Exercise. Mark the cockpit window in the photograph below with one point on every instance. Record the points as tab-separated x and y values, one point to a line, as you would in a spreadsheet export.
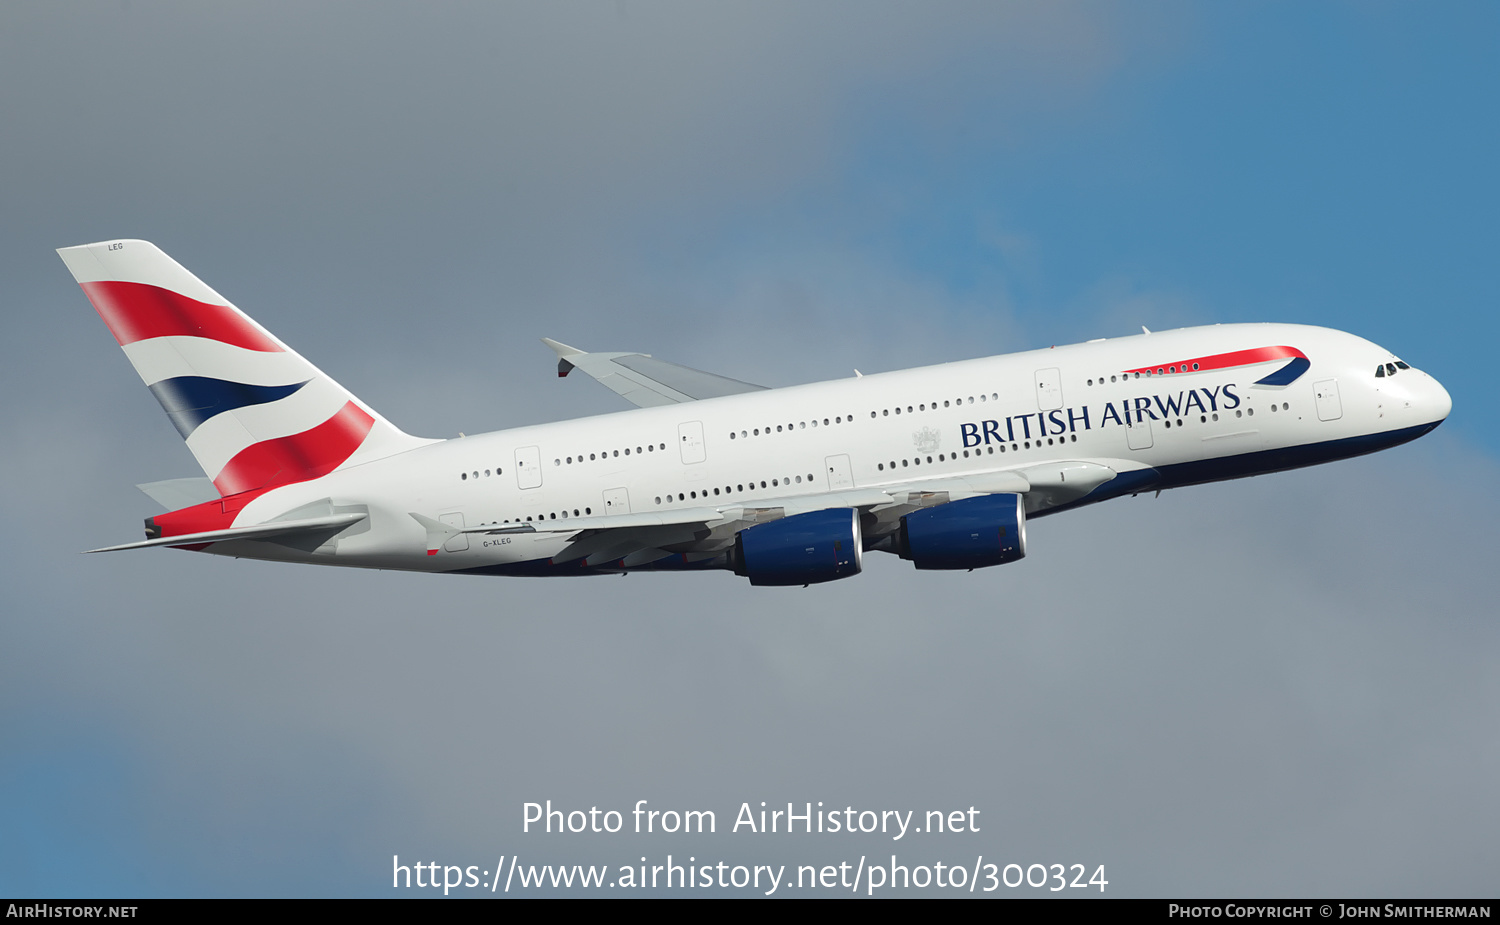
1380	372
1401	365
1390	369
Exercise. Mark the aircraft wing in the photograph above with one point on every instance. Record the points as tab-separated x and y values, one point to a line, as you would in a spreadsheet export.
643	537
602	522
645	381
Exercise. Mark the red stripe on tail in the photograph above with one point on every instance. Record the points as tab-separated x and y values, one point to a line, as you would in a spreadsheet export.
138	311
309	455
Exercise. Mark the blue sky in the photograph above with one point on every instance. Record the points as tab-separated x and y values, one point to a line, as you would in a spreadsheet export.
1319	163
780	193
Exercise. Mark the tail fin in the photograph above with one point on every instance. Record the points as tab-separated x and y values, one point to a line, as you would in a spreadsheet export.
254	413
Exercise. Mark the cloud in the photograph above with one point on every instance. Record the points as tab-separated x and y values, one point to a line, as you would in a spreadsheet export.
1268	686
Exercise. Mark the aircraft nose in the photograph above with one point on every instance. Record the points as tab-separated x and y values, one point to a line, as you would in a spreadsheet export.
1437	400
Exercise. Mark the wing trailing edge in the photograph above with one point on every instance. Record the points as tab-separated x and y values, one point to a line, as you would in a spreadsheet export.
645	381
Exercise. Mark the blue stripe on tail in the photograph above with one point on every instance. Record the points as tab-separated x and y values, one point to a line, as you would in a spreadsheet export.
191	400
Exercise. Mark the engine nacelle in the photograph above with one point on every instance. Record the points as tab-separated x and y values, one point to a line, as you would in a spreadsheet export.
973	533
803	549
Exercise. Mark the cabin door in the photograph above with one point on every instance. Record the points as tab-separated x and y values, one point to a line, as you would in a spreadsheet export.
1326	396
839	474
1049	389
690	441
458	542
528	467
616	501
1138	434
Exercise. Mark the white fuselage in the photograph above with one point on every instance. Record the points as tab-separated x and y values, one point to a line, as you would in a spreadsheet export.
789	447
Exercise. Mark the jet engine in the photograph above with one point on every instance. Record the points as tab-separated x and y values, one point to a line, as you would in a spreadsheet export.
802	549
968	534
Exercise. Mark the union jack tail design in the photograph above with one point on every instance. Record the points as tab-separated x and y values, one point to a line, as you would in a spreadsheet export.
254	413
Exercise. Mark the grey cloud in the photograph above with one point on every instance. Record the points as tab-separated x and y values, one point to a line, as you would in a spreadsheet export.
1277	686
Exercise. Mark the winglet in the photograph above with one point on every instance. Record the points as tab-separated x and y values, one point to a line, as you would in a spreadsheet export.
563	351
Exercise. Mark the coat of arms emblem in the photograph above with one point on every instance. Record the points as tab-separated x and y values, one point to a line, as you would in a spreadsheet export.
927	440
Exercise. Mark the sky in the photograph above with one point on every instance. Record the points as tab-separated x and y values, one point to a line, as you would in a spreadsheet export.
1281	686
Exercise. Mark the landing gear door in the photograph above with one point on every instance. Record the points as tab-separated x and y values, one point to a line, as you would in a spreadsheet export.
839	474
1049	395
528	467
1326	396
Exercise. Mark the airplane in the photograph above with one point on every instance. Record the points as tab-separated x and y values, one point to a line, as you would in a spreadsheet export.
942	466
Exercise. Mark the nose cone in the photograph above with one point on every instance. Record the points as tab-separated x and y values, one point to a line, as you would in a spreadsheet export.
1436	401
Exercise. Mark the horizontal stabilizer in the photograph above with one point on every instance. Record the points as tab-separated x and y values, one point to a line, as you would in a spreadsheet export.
645	381
257	532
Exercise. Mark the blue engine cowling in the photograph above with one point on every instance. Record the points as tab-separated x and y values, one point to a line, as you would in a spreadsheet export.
973	533
803	549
